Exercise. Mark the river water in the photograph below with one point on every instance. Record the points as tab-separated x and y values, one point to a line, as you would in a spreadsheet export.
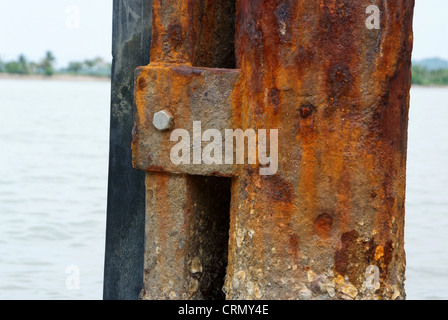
53	187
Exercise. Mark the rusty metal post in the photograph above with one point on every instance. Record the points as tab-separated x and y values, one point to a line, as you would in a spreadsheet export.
333	77
339	93
187	216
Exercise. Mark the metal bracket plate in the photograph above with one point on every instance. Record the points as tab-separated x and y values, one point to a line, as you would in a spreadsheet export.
190	94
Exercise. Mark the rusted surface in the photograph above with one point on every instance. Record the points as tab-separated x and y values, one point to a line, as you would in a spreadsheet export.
341	97
194	32
187	217
191	94
332	218
186	237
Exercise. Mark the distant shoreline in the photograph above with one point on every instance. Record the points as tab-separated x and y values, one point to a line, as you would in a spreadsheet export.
55	77
430	85
68	77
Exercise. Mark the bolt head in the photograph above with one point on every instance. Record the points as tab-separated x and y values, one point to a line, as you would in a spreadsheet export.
162	120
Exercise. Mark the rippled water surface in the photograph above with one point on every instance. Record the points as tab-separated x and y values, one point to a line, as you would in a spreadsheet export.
53	182
53	186
427	195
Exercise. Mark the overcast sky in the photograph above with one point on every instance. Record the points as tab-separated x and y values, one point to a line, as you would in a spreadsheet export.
32	27
81	29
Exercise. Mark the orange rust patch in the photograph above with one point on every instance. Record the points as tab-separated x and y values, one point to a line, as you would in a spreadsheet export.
379	253
141	83
323	225
306	111
349	256
278	188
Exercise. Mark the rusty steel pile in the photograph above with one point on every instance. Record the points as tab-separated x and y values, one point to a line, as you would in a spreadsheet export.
328	223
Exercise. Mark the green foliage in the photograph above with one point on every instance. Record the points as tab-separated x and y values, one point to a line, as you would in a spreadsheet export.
93	67
12	67
75	67
16	67
47	64
98	67
423	76
23	65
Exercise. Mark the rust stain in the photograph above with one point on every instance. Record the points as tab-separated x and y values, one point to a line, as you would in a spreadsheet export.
306	111
278	188
379	253
350	254
323	225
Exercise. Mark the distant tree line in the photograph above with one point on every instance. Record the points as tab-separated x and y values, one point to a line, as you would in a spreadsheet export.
99	67
46	66
93	67
424	76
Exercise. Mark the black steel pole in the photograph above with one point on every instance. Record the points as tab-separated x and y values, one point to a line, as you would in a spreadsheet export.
123	270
